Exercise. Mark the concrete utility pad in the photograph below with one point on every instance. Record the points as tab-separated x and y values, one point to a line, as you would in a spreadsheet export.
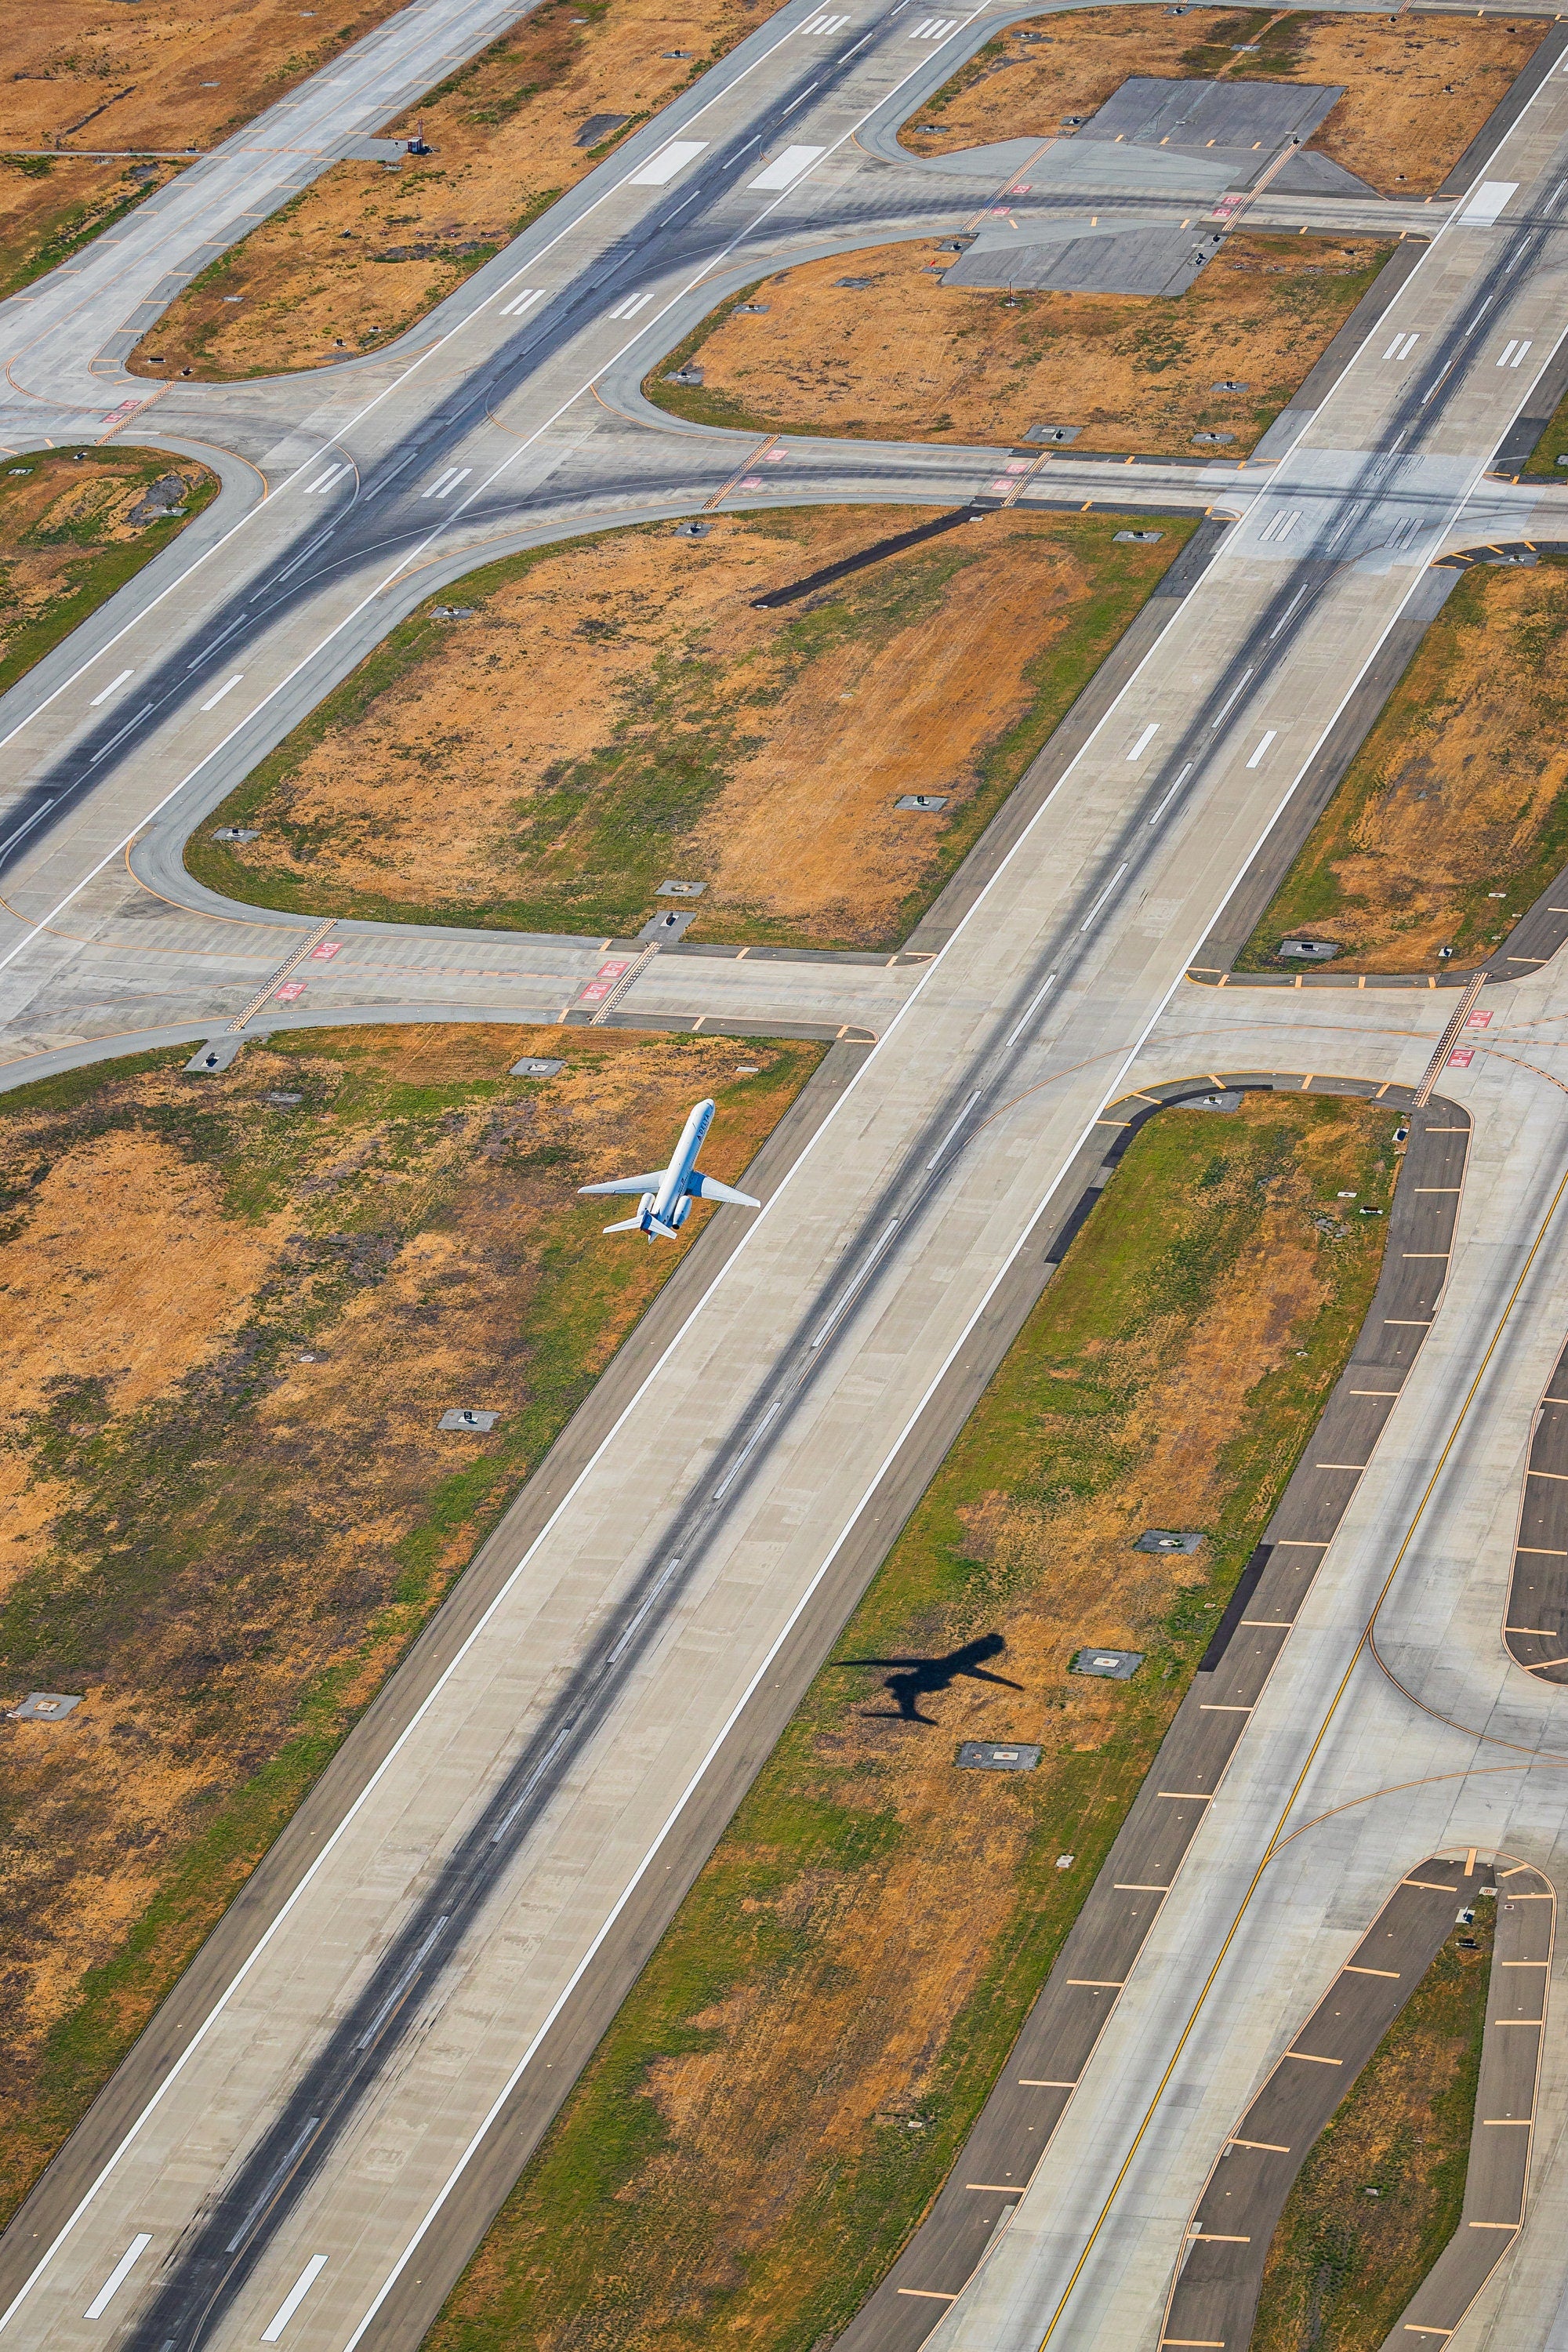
1241	125
1137	259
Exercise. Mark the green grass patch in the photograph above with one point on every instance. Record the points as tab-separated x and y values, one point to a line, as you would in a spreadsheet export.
1380	2195
202	1576
593	844
1487	683
104	565
792	2076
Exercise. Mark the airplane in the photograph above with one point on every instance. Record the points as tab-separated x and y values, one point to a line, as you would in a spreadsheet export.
668	1194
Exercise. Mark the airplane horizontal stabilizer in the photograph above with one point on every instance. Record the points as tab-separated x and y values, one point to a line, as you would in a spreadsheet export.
649	1184
707	1188
628	1225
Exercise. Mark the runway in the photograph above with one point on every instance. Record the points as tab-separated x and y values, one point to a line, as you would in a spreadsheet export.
314	2133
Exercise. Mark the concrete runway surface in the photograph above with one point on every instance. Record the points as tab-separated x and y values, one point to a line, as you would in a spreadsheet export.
314	2132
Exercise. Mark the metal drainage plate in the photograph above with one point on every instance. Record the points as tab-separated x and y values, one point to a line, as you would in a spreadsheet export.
216	1055
463	1417
987	1756
668	926
1226	1101
1309	950
45	1706
535	1065
680	889
929	802
1116	1666
237	833
1053	433
1137	538
1168	1540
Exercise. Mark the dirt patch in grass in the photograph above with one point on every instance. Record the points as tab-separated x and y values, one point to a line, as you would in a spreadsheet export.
616	713
364	252
1344	2261
232	1325
72	530
1416	91
792	2074
906	359
175	76
1454	815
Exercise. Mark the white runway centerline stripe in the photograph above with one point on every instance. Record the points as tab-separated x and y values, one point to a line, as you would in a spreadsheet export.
1145	739
227	688
117	2277
113	688
786	167
632	304
663	167
520	302
294	2298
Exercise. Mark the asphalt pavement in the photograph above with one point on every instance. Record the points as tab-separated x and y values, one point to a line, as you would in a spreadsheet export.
314	2133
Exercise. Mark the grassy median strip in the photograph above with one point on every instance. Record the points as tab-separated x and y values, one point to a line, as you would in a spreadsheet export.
241	1306
613	713
1379	2197
1453	817
792	2076
879	343
74	528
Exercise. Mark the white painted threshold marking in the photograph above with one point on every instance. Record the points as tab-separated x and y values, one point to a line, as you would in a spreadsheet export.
1144	741
117	2277
786	167
227	688
113	688
294	2298
1263	747
662	168
1487	203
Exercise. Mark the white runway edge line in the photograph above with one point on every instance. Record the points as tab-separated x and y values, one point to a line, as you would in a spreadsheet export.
421	359
294	2298
329	1845
765	1668
118	2275
409	562
177	2068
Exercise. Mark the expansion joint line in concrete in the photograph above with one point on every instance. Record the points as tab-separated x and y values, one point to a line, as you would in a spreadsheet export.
1276	1841
307	946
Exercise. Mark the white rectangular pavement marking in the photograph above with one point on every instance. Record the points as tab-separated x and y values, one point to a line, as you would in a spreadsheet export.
786	167
294	2298
117	2277
663	167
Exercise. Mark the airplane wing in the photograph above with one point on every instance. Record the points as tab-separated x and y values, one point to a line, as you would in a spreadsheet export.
707	1188
649	1184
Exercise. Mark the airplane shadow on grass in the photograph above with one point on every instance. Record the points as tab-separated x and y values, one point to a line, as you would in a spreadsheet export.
919	1677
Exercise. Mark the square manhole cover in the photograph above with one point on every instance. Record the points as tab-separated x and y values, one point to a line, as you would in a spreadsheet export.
991	1756
1115	1665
